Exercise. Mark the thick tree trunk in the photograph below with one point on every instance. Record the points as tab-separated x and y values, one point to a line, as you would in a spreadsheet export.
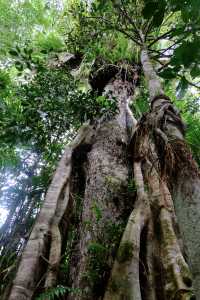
178	165
105	203
136	267
125	245
186	195
104	209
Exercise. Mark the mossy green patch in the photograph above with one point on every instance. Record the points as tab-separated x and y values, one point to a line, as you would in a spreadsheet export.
119	285
125	252
97	264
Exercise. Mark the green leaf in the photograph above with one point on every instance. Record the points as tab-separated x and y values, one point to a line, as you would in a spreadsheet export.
182	88
102	4
186	53
28	64
195	72
28	51
158	18
149	9
13	52
19	65
155	9
168	73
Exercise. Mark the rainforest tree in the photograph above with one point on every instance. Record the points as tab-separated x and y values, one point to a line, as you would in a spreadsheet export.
120	218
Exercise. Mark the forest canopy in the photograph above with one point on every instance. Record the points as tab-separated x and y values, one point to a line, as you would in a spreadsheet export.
58	61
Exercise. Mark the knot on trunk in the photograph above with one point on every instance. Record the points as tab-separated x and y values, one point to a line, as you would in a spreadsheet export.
103	71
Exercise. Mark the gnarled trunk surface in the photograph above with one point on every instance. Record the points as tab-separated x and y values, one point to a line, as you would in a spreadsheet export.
105	202
178	166
44	243
126	244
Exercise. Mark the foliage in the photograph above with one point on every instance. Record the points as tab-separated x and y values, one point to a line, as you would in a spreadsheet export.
193	135
43	111
49	42
97	265
57	292
189	108
97	211
125	252
140	104
20	20
169	32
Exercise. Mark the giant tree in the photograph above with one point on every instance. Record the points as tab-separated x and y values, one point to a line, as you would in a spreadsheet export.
122	207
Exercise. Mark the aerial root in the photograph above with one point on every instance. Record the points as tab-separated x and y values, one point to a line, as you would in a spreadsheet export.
62	205
150	252
56	240
46	229
176	271
153	210
124	281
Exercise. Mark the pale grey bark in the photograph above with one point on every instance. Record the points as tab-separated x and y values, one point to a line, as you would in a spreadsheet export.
154	84
187	206
35	253
106	184
125	272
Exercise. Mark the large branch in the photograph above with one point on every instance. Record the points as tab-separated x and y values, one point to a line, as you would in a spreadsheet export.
154	84
162	36
115	27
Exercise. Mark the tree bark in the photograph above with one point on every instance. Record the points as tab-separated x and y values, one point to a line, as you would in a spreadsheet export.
178	165
186	195
42	240
105	205
125	242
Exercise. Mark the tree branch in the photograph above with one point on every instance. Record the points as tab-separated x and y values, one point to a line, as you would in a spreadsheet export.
190	83
147	27
115	27
161	37
124	11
